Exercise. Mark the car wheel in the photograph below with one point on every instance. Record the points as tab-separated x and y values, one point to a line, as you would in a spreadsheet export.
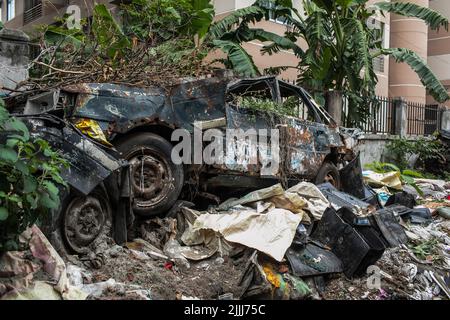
156	180
83	219
328	173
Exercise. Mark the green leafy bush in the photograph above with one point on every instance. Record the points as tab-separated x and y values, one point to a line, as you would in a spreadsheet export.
428	150
167	19
29	175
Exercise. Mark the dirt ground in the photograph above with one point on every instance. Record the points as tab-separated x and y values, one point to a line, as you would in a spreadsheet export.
214	277
133	272
203	280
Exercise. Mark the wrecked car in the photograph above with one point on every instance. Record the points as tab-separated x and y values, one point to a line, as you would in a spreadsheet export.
97	199
140	123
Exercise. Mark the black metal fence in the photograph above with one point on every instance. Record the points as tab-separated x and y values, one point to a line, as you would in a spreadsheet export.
423	119
381	117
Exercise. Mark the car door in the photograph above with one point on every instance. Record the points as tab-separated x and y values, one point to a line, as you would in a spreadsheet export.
249	135
307	138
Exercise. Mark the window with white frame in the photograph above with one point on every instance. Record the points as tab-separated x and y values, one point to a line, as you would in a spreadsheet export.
10	9
281	20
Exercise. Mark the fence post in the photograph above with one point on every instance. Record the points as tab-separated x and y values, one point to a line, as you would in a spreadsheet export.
401	117
334	104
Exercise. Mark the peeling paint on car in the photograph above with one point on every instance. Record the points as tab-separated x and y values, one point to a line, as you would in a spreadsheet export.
120	109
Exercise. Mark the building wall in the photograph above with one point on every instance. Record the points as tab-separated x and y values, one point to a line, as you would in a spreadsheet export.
395	80
382	88
283	58
411	33
18	9
372	147
51	10
223	7
439	48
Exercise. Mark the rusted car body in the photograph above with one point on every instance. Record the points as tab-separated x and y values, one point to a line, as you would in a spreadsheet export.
307	141
97	182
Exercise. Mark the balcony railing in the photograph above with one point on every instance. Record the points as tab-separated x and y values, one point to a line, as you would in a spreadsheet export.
32	14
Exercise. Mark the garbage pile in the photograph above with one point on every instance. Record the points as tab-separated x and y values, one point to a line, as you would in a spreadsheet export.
306	242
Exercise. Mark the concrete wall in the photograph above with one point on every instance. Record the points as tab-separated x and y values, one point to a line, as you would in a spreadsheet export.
439	49
14	51
372	147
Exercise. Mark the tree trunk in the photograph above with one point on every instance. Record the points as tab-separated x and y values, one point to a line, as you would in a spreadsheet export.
334	104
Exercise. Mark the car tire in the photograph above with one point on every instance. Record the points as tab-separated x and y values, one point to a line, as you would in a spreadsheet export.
156	180
328	173
81	220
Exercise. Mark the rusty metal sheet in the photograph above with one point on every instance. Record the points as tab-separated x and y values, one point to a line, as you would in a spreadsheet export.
240	151
197	101
308	146
89	164
118	109
307	143
127	107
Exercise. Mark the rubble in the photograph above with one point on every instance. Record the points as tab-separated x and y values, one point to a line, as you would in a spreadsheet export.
305	242
388	179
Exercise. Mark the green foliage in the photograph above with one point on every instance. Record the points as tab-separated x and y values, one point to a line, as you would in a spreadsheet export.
406	176
267	105
427	149
229	33
184	29
61	36
427	250
202	17
108	33
434	19
238	58
181	53
245	15
166	19
29	175
400	150
426	76
342	46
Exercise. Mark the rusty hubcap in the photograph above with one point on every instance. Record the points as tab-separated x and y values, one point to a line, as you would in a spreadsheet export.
84	221
152	178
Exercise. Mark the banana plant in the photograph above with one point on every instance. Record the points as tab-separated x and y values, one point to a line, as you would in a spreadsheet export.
229	33
342	47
